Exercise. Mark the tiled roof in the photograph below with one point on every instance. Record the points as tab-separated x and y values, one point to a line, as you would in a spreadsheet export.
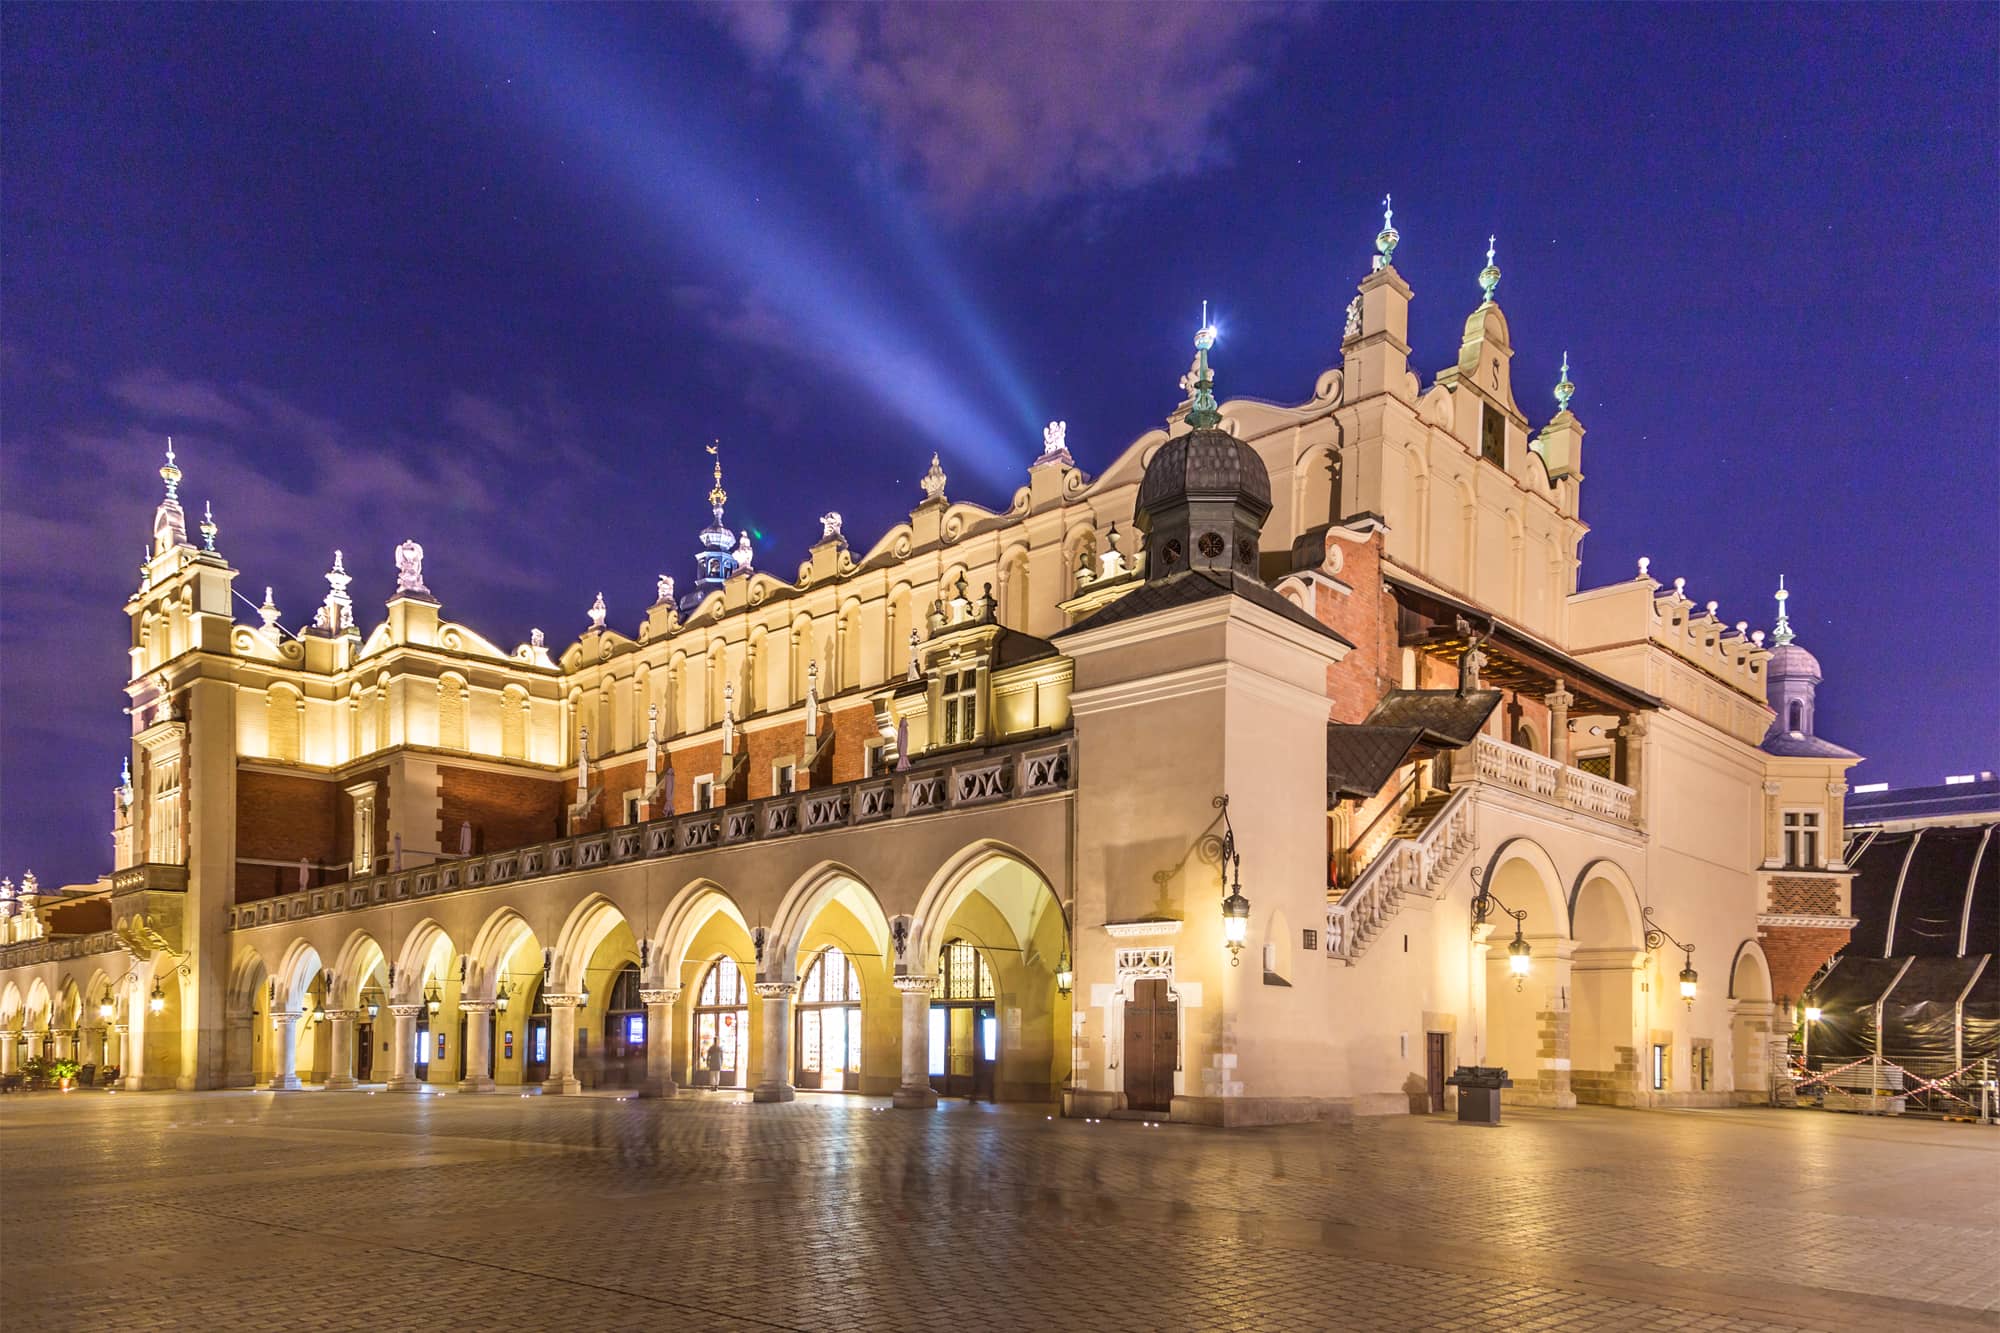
1191	586
1446	717
1361	758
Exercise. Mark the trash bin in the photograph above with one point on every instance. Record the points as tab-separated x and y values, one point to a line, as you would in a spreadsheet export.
1479	1092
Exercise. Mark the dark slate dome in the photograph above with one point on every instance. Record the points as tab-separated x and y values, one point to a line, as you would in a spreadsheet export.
1205	464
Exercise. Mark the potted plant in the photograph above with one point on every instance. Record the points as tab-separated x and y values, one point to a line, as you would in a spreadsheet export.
64	1073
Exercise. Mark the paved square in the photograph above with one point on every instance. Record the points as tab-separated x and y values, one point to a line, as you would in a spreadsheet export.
340	1210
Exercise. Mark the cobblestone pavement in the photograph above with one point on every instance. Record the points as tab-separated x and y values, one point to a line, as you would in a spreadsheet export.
339	1210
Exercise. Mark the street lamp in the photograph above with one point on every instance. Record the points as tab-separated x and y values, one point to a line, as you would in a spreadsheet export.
156	1003
432	1000
105	1008
500	1000
1656	935
1235	907
1520	956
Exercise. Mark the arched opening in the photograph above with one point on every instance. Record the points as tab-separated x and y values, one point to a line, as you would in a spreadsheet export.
721	1027
505	970
1527	1028
243	1034
593	951
624	1031
828	1049
1796	716
1606	971
997	1008
1753	1025
964	1023
427	978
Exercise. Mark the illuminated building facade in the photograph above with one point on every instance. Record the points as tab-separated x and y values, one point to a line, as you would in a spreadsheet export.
942	816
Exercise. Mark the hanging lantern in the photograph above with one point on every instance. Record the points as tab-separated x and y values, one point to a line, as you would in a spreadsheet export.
1519	957
1065	974
583	994
374	1007
500	1000
432	1000
105	1009
1688	980
1235	924
156	1002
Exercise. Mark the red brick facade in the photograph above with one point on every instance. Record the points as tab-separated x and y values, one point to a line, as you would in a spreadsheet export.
1795	953
505	809
283	817
1365	617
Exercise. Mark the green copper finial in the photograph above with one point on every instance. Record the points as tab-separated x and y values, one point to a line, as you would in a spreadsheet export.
1489	277
1564	389
1385	240
1200	380
1782	635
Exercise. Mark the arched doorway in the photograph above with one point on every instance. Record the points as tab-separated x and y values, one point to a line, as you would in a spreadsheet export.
829	1035
964	1024
1607	968
1753	1026
722	1025
624	1032
1527	1016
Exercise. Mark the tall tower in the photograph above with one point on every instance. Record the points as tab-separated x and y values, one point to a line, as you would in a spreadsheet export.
716	560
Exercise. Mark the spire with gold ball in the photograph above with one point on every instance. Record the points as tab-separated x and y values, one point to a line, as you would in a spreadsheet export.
1489	277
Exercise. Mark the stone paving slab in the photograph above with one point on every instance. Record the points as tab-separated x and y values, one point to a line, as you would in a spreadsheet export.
341	1210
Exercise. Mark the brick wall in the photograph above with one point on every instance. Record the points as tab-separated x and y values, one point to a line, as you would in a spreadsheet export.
282	817
765	747
1793	895
1795	953
852	728
505	809
1366	618
689	764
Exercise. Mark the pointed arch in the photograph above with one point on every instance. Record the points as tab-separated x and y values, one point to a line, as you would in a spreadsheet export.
698	902
246	977
957	879
497	942
589	923
425	949
827	882
10	1004
357	960
40	1006
301	963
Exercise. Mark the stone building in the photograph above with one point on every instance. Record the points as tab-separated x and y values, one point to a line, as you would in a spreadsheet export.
943	814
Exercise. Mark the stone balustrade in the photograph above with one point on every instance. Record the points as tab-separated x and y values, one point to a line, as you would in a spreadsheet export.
978	778
1539	776
58	948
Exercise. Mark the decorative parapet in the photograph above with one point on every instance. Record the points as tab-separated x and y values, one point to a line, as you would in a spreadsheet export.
1421	864
1006	773
58	949
150	876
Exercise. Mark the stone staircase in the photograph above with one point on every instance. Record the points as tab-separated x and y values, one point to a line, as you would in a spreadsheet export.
1427	844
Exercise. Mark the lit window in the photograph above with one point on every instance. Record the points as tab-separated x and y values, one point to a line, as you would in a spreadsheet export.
424	1047
938	1017
722	1018
830	1023
784	779
635	1029
1802	838
1659	1067
960	699
964	972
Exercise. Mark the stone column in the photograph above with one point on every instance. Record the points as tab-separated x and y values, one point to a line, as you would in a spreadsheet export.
7	1051
777	1020
285	1052
1559	700
241	1030
478	1045
340	1049
132	1070
1632	762
64	1043
659	1042
562	1079
915	1091
123	1033
403	1049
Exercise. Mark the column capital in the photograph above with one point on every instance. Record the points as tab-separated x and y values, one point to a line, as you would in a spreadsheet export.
777	990
286	1016
915	985
406	1010
339	1015
560	1001
475	1006
668	995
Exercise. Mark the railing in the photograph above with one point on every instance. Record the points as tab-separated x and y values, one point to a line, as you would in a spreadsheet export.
1541	777
1364	849
58	948
1030	769
1407	865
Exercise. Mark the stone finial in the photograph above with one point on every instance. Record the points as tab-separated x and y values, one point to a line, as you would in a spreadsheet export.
916	670
933	481
336	615
537	640
1680	588
829	526
1564	389
812	698
582	762
717	497
268	613
1711	609
30	886
208	527
1757	637
597	612
1055	438
1386	239
1352	329
663	590
741	555
410	570
1645	563
1489	277
1742	628
728	717
1782	633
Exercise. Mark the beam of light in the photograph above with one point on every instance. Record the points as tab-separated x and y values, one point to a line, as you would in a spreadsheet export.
789	259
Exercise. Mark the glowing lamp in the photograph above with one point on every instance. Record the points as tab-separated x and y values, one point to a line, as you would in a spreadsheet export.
1235	923
432	1000
1519	958
1065	974
500	1000
1812	1013
105	1009
1688	979
374	1010
583	994
156	1002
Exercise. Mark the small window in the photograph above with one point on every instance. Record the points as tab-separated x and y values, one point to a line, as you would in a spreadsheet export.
871	759
938	1040
784	779
423	1048
1598	765
1493	434
704	792
1802	838
1798	716
631	807
960	699
1659	1067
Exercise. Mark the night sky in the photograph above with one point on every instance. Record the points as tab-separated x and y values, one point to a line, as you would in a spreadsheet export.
491	277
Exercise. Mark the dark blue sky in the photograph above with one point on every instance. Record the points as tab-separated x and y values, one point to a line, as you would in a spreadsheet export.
490	277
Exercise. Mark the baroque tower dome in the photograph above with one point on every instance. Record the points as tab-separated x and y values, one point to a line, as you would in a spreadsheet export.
1205	495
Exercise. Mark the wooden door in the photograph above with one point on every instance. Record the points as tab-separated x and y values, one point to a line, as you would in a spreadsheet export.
985	1051
1434	1069
1152	1031
364	1052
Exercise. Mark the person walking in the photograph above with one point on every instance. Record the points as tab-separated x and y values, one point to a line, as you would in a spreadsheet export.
713	1059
